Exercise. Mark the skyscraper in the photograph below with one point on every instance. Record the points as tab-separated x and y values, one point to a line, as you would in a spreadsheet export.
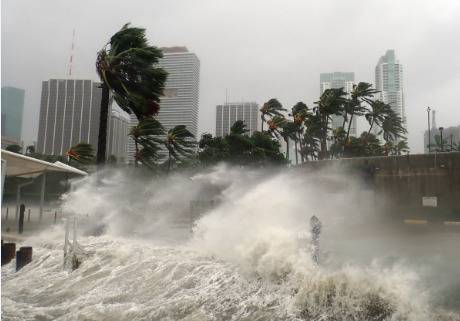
12	109
228	113
389	82
179	104
69	114
117	134
343	80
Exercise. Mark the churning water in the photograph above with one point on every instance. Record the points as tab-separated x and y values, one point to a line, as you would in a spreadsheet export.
247	258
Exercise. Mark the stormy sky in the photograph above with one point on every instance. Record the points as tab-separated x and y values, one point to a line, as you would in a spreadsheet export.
256	49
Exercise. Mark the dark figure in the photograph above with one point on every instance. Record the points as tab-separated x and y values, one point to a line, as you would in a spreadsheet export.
315	226
22	209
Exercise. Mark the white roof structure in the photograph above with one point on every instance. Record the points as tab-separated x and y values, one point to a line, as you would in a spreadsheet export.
28	167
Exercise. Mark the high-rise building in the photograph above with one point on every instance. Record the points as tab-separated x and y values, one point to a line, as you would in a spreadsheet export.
69	114
343	80
389	83
117	134
228	113
179	104
12	110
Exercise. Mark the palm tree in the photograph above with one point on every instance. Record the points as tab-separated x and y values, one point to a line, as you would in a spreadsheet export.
289	131
271	108
238	128
126	67
82	153
146	134
377	114
362	92
330	103
392	126
179	142
299	113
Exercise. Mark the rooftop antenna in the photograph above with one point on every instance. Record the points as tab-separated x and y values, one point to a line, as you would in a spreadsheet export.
71	53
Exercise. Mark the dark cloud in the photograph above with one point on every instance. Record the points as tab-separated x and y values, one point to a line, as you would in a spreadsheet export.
256	49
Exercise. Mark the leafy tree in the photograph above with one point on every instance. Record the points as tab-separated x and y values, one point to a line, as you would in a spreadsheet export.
299	113
238	128
14	148
127	68
179	143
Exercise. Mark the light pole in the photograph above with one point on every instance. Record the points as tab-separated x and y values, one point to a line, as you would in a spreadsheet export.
429	131
442	144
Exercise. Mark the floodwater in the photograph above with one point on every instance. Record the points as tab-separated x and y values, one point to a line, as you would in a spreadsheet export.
247	258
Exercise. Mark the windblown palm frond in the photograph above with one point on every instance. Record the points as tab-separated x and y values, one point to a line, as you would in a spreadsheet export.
180	143
238	128
82	153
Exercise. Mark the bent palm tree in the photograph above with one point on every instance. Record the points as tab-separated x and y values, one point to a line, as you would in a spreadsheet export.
145	134
271	108
126	67
299	114
238	128
179	142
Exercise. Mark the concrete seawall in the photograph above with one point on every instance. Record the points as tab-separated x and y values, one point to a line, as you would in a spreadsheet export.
420	186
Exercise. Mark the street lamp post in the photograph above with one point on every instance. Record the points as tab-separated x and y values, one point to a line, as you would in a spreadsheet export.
429	131
442	144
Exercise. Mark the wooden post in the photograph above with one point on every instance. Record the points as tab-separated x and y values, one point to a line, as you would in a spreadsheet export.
8	252
23	257
22	209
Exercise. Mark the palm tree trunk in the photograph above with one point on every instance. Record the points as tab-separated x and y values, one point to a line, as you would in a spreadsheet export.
349	128
296	153
323	139
287	148
262	123
302	156
169	161
137	154
370	128
102	138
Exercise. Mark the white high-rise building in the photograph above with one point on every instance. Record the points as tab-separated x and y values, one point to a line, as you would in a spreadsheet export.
69	114
228	113
389	82
179	104
343	80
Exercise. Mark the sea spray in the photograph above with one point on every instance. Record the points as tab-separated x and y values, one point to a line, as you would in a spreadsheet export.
247	259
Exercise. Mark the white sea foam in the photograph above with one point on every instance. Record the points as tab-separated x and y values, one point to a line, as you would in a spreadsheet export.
247	259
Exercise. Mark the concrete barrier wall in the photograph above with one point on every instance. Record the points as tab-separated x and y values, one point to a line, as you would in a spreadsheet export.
403	181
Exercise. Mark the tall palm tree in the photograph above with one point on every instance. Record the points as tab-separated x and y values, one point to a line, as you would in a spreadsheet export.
362	92
146	134
271	108
377	114
179	142
82	153
126	67
330	103
289	132
392	126
299	114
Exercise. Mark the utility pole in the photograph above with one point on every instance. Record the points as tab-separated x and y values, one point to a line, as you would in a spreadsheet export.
429	131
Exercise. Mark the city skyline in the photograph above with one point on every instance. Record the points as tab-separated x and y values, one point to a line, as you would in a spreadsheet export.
244	60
